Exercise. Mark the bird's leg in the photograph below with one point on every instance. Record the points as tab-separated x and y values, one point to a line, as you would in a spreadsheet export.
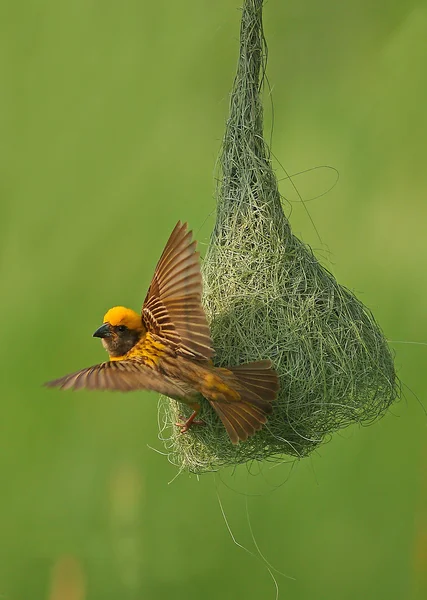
192	419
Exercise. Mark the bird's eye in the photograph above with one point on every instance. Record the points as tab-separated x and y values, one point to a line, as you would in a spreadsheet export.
122	328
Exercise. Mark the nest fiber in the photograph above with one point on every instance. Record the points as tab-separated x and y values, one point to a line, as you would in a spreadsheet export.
267	296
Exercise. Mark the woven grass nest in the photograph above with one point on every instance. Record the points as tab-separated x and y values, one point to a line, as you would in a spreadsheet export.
267	296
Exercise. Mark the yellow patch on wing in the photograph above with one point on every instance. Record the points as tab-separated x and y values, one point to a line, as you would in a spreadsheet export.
216	388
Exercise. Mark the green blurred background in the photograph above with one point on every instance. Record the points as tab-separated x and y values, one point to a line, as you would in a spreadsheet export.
111	120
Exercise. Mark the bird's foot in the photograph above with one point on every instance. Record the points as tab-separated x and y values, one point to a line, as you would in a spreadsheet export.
185	426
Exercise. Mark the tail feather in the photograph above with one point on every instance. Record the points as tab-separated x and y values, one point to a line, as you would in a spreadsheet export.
235	429
258	377
250	417
257	386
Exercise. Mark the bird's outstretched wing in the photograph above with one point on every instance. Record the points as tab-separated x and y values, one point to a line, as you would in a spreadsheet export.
123	376
173	308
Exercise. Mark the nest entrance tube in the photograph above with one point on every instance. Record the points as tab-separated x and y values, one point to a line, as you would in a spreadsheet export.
267	296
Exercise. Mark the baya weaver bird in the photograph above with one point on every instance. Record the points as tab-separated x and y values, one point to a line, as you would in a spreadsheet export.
167	348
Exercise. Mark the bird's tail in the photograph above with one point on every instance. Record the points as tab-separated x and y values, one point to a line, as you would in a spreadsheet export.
242	397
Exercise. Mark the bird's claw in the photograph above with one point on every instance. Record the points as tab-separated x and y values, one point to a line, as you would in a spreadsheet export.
185	426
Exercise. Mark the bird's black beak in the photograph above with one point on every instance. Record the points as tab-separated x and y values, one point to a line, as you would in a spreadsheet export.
103	331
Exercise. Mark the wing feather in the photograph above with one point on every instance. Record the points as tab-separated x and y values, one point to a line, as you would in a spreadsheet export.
123	376
173	308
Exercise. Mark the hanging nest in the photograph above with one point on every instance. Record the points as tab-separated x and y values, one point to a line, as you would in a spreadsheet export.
267	296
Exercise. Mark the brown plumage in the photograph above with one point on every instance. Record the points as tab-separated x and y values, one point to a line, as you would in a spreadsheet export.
167	348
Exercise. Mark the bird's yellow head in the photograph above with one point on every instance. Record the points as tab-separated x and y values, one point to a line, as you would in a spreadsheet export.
120	331
119	315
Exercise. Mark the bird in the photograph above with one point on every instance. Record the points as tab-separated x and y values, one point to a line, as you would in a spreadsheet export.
167	348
